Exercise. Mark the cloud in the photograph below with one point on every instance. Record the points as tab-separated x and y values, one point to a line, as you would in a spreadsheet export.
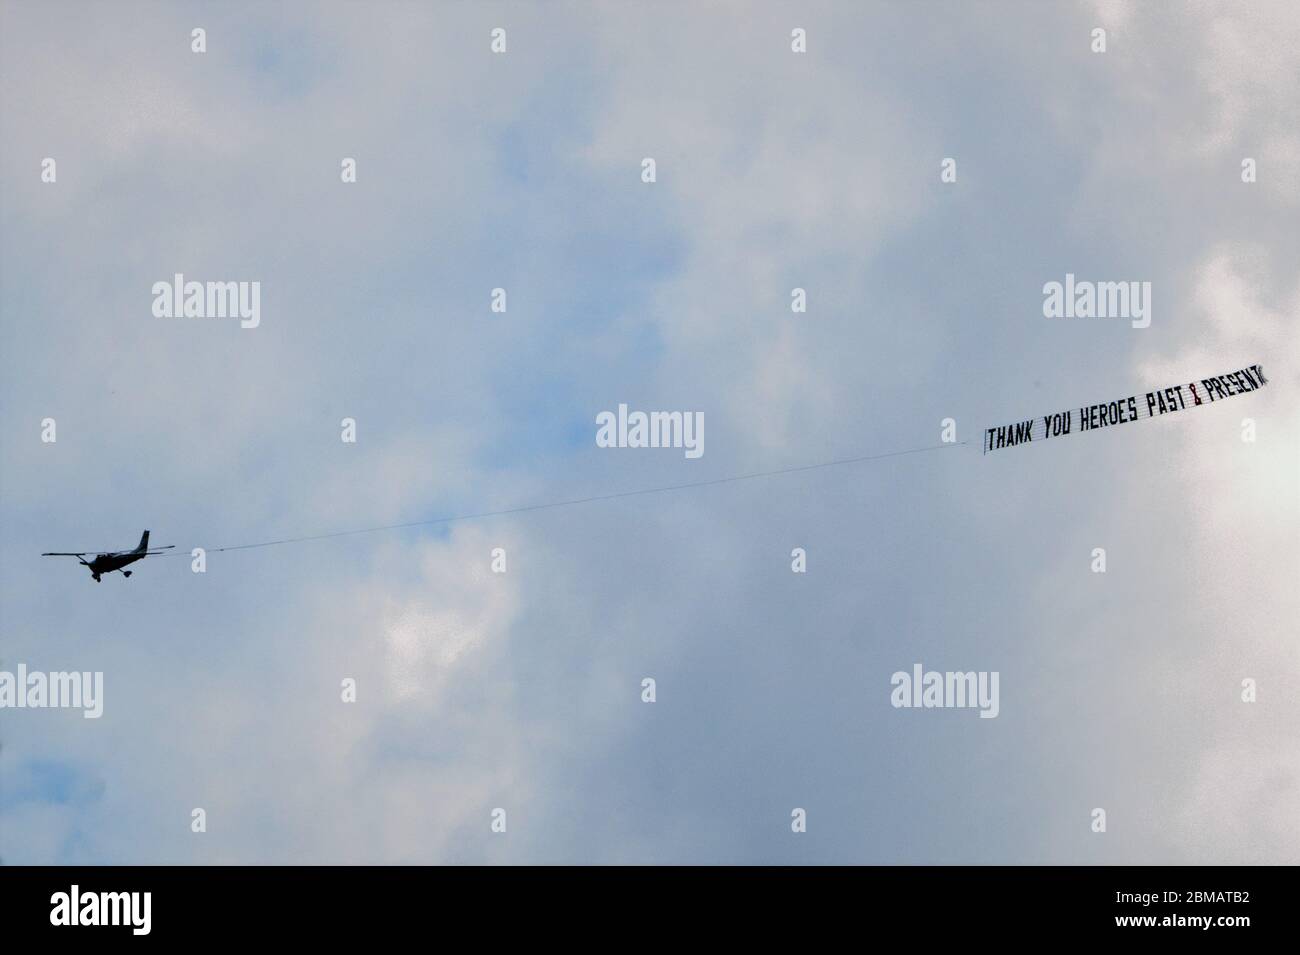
1244	510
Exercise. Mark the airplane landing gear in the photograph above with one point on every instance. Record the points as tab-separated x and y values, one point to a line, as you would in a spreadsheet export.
96	576
126	573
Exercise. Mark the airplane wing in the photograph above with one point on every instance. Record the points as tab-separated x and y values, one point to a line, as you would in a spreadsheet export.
106	553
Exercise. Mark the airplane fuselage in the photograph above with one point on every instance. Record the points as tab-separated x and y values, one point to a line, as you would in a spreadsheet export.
107	563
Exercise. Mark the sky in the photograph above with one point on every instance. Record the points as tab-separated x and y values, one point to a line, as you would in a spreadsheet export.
523	690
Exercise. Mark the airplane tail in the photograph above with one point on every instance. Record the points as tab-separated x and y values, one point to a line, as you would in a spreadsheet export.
144	543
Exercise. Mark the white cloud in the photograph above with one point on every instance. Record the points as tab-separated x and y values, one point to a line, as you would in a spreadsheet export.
1244	502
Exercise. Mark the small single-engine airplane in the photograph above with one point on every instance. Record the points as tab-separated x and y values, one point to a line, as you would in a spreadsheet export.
113	560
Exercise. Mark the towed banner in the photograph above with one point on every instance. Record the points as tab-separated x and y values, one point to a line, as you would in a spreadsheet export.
1151	405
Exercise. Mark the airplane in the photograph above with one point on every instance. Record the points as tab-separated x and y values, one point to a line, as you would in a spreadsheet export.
113	560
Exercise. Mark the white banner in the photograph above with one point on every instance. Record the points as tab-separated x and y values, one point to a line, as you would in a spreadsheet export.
1152	404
